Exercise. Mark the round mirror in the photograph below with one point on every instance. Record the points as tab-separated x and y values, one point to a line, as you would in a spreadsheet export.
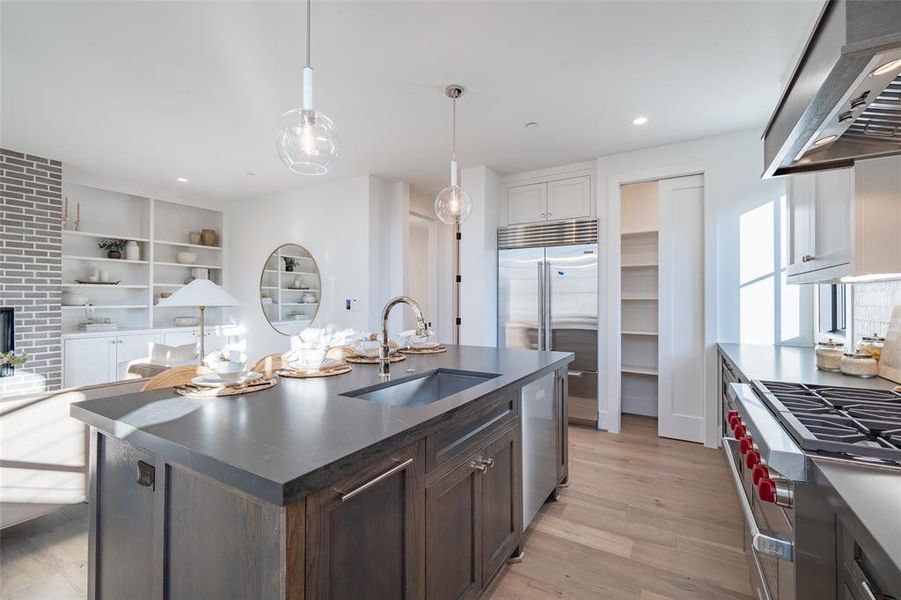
290	289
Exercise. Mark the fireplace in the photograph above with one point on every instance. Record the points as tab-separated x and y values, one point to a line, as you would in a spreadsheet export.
7	336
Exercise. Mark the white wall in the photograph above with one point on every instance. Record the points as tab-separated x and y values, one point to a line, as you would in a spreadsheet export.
333	222
478	257
731	164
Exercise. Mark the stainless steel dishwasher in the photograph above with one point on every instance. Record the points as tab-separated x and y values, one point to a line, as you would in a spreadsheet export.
539	445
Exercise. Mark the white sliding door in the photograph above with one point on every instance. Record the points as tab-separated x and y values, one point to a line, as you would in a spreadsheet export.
681	300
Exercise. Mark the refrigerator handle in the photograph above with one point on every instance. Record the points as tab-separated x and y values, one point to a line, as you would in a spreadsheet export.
541	308
548	329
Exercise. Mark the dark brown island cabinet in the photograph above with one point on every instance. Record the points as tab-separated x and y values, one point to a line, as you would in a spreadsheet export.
431	514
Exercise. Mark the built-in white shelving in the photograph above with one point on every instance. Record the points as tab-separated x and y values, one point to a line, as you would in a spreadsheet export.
186	265
108	236
649	371
187	245
104	259
639	314
156	226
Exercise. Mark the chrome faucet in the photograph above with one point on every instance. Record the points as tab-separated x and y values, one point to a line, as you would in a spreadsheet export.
422	329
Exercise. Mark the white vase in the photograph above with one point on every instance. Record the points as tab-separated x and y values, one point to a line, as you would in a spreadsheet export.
132	251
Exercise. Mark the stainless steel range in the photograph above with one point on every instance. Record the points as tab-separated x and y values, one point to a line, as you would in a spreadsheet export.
847	422
776	429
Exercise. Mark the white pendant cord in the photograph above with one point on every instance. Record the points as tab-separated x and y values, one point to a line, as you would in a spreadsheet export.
307	92
454	144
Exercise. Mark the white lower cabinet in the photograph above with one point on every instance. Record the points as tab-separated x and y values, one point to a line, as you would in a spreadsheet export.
89	361
133	347
180	338
94	360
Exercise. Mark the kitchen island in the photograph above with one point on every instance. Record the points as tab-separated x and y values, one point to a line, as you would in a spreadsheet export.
335	487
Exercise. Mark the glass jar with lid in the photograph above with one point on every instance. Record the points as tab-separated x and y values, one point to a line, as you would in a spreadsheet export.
872	345
859	364
829	355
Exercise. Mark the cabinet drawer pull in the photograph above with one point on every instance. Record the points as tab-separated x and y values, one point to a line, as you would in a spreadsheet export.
489	462
479	465
806	258
359	490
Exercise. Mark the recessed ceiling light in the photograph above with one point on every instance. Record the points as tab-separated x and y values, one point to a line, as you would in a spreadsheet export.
825	140
250	173
639	120
886	68
530	125
182	180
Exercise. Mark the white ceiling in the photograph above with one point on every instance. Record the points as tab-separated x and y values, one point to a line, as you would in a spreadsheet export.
152	91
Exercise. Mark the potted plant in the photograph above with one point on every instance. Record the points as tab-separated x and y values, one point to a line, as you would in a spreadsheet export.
9	361
113	247
289	263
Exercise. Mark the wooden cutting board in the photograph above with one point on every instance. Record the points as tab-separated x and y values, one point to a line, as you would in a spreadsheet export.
890	361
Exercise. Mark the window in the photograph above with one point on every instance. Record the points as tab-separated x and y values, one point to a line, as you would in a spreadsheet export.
772	311
831	305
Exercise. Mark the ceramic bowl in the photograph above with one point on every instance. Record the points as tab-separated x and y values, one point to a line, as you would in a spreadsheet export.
308	359
187	321
74	299
367	348
186	258
236	363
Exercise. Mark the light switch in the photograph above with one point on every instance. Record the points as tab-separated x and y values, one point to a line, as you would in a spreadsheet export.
351	304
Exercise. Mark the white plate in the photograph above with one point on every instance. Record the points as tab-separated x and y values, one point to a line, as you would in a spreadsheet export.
326	363
424	345
217	380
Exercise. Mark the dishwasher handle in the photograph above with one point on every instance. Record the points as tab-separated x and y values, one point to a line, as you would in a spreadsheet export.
761	542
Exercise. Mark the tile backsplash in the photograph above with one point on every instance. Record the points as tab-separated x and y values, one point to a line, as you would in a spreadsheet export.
873	304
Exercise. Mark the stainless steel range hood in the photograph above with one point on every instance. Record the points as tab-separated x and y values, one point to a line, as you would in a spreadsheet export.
843	101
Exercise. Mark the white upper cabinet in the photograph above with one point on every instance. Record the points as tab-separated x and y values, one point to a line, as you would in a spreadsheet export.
569	198
527	203
845	222
554	200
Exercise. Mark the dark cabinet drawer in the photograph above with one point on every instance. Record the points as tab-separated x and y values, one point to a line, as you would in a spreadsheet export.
457	440
365	534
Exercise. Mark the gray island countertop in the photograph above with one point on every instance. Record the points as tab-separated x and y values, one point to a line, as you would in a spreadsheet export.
283	443
791	364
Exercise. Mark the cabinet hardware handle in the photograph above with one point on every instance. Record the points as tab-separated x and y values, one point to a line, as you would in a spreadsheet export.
359	490
806	258
549	214
866	588
763	543
479	465
488	462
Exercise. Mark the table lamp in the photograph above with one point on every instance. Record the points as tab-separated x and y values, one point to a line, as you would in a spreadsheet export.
200	293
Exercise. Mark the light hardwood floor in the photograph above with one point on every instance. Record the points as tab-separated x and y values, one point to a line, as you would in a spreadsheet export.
644	518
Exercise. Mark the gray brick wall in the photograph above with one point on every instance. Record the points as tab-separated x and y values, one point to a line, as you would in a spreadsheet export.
31	265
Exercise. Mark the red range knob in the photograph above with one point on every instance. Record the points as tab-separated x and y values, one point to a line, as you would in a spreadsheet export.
734	421
746	444
752	459
766	490
760	472
739	431
731	414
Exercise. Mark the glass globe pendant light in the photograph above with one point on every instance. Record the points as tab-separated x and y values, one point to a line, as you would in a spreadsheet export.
306	140
452	204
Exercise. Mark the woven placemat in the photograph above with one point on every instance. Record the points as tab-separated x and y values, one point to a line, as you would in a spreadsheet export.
437	350
196	391
296	374
374	360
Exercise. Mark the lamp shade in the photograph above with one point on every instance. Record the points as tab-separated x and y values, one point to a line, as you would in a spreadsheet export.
200	292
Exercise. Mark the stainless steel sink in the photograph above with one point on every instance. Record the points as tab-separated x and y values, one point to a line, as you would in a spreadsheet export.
422	389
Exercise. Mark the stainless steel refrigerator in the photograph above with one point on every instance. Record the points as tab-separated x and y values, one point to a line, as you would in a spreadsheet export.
548	296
